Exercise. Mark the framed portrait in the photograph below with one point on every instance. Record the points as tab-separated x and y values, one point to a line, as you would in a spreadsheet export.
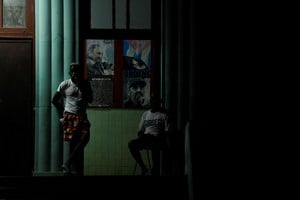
100	65
137	54
136	73
99	58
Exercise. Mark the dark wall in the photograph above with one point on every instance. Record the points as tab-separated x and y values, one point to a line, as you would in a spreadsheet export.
16	111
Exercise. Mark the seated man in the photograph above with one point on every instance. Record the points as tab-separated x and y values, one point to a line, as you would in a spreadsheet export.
152	130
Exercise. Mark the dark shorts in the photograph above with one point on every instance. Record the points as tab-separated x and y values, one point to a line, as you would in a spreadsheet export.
147	141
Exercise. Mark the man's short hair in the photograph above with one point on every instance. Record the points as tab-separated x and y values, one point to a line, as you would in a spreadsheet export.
76	66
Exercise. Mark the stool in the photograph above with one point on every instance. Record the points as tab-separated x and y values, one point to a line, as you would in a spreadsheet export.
149	161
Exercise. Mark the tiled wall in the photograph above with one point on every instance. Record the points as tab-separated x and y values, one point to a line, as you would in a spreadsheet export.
107	152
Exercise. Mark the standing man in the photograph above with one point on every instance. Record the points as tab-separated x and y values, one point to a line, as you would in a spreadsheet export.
76	93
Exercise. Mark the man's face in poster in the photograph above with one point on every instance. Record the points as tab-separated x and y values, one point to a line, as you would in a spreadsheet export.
136	92
96	53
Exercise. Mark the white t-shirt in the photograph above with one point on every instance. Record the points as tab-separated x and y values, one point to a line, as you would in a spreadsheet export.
153	123
74	101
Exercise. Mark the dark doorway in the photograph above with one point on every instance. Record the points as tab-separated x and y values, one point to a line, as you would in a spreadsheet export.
16	108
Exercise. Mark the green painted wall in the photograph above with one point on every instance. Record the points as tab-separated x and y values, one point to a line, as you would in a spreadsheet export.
107	152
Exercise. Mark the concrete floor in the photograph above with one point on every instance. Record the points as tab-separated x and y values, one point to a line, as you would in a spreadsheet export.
96	187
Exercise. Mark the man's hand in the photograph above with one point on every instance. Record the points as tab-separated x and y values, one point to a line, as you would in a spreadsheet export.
56	101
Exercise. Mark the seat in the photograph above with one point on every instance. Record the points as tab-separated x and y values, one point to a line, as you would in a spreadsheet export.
148	151
163	146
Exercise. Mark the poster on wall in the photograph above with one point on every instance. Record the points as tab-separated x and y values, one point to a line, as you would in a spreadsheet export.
136	92
137	54
102	91
99	58
100	71
14	13
136	73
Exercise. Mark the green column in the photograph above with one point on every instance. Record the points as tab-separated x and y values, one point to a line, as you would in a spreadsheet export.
167	53
36	138
55	50
69	35
43	87
56	78
181	68
76	30
69	45
192	60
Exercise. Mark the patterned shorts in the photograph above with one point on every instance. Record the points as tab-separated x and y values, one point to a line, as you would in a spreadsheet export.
75	126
